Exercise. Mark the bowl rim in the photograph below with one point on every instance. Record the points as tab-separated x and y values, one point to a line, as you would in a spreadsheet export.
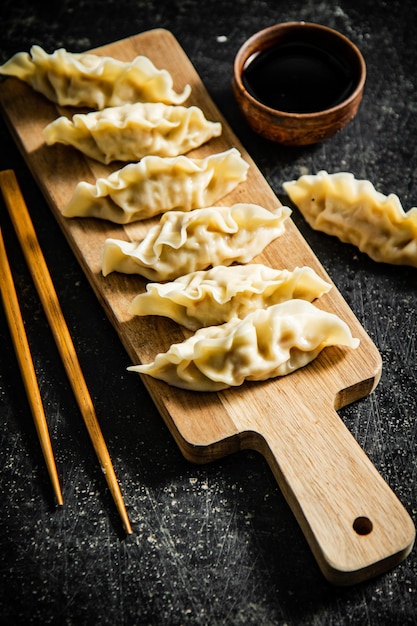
241	59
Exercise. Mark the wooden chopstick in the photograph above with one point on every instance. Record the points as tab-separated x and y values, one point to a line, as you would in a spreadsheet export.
25	231
24	357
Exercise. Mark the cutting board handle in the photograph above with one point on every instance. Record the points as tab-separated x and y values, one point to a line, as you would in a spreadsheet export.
354	523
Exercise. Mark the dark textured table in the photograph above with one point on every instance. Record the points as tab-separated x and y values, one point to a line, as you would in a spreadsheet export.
213	544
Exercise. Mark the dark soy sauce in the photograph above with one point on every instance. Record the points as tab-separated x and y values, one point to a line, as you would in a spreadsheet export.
298	78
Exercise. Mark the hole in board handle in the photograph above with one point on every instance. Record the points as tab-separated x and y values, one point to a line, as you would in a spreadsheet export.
362	526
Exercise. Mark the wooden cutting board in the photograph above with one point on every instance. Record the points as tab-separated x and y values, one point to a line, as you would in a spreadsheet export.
355	525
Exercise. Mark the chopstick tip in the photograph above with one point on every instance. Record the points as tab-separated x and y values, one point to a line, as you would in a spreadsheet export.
128	528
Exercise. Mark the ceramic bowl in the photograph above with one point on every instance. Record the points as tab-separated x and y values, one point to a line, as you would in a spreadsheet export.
305	125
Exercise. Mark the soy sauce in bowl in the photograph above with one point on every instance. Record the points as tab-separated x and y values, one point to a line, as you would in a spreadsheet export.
298	77
298	83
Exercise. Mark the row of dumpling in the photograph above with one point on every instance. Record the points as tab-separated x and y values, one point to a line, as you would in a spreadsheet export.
136	110
252	322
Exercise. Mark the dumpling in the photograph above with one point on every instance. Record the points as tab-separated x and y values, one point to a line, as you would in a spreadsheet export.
132	131
353	211
266	343
214	296
184	242
84	79
158	184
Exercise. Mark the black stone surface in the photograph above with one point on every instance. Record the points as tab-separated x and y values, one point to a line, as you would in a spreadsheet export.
213	544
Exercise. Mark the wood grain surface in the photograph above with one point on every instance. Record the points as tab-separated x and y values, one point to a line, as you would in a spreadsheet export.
354	523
